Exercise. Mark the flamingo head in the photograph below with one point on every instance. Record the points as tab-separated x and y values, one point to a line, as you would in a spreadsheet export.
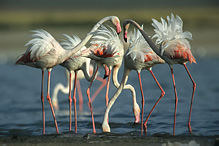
115	20
106	72
125	27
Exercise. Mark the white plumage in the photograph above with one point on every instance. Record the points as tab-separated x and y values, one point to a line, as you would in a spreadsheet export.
170	30
138	47
41	44
71	42
106	38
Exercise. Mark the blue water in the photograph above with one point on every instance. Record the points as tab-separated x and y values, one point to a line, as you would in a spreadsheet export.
20	106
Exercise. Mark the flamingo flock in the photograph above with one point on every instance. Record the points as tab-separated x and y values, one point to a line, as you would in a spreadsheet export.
108	50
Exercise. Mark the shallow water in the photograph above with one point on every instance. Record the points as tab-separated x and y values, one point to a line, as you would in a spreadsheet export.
20	106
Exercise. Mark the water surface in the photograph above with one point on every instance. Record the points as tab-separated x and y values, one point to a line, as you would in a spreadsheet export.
20	106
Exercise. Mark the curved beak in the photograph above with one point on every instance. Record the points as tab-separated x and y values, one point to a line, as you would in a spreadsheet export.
106	72
118	28
125	29
125	36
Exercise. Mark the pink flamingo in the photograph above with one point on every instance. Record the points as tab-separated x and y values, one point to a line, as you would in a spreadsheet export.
45	52
174	49
74	64
107	49
139	56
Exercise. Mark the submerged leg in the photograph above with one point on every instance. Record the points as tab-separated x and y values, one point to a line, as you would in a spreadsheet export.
79	95
89	101
50	103
176	100
70	99
161	96
99	88
142	94
42	100
193	92
74	100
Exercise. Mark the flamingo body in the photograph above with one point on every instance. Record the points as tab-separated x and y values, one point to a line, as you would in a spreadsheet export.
139	56
44	51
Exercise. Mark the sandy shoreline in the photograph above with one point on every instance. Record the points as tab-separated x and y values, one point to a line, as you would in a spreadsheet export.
111	139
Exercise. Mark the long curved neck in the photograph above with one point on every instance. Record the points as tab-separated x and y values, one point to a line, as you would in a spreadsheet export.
86	70
86	39
118	91
151	44
126	86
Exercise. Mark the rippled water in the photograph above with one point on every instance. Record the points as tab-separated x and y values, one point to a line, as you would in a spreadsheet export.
20	106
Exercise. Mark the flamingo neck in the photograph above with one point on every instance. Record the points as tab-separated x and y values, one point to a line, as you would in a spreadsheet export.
149	41
86	70
86	39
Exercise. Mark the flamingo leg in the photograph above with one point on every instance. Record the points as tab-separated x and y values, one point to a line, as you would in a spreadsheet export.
74	100
42	100
99	88
142	94
107	88
49	100
89	100
79	95
194	87
161	96
176	100
70	99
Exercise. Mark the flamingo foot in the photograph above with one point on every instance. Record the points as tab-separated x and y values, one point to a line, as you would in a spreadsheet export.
105	127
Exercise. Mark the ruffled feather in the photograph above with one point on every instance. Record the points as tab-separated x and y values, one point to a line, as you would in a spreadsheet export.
41	44
166	31
138	47
106	38
71	42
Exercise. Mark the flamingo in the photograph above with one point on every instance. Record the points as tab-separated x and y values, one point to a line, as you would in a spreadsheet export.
174	49
74	64
107	49
139	56
45	52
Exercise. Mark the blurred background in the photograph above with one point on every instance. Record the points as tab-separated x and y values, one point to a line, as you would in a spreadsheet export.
201	17
20	109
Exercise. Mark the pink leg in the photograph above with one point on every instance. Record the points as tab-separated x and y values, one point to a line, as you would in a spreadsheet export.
107	88
194	87
70	100
89	101
79	95
142	94
50	103
176	100
74	100
42	100
99	89
161	96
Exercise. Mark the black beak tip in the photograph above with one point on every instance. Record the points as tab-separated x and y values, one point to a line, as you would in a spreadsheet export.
125	39
105	76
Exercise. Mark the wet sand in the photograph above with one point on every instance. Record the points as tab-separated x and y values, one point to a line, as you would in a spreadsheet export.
111	139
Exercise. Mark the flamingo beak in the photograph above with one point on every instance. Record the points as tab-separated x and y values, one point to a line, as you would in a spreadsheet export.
106	72
125	36
118	28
